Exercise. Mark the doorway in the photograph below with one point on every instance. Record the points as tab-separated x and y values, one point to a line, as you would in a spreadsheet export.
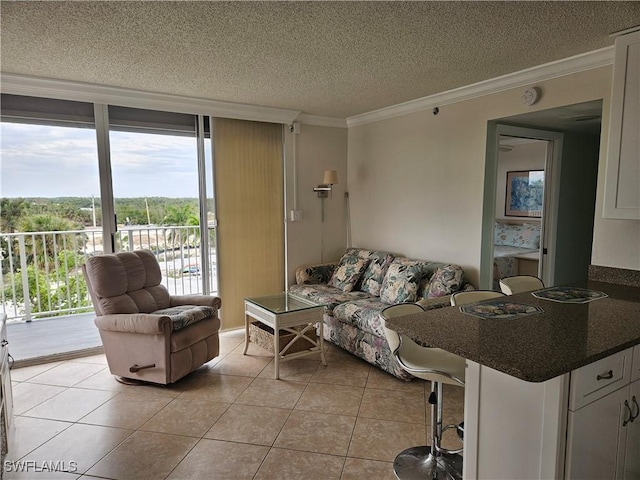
519	247
572	138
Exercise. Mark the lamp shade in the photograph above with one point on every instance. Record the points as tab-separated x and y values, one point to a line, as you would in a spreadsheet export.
330	177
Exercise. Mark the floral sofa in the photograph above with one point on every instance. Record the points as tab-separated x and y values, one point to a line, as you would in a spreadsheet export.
362	284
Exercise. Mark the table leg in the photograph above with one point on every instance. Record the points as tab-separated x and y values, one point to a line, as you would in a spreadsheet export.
321	332
246	334
276	349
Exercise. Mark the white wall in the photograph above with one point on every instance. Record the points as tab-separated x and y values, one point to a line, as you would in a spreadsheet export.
416	181
310	241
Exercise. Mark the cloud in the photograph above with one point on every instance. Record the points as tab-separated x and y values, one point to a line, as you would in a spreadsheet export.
48	161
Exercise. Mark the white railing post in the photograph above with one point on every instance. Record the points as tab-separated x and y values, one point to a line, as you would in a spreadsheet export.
25	279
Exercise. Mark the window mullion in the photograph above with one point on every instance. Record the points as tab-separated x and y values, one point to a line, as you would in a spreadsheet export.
109	224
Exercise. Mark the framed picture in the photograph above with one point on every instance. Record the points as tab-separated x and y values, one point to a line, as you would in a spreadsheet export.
525	194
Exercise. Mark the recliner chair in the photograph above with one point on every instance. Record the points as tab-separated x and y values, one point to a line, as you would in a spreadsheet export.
149	335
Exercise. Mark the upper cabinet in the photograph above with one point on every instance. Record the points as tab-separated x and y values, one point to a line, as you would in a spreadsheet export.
622	184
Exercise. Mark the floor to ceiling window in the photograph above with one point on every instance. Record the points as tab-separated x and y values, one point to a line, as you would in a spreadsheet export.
50	205
54	210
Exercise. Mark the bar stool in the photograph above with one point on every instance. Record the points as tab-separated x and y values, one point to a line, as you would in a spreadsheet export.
439	367
520	283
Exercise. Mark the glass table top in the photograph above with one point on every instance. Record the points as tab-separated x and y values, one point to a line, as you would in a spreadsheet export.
283	303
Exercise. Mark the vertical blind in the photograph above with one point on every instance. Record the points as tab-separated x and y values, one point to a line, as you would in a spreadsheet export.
249	190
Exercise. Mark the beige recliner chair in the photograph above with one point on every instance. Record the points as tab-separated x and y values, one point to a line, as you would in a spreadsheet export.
148	334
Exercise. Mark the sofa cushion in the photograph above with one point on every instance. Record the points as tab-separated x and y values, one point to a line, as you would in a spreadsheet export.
329	296
400	284
445	281
314	274
348	272
358	252
371	281
184	315
363	314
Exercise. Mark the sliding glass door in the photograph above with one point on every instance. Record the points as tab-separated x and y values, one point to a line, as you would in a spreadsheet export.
157	196
50	206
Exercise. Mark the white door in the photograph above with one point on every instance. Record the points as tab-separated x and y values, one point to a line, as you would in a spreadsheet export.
632	456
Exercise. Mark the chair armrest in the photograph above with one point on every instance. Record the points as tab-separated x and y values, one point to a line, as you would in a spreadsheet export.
314	274
134	323
435	302
201	300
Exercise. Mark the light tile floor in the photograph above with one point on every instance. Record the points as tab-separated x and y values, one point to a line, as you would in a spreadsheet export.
228	420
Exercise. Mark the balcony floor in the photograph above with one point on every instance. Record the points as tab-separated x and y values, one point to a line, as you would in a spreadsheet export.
52	339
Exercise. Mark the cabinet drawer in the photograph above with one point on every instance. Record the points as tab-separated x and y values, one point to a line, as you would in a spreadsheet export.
635	369
597	379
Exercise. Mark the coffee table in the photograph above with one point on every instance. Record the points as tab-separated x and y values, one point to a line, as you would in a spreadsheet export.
284	311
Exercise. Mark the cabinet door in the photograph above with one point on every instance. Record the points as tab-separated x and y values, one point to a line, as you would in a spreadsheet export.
596	439
622	184
632	457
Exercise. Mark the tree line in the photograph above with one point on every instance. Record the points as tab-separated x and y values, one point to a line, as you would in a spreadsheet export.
31	214
68	214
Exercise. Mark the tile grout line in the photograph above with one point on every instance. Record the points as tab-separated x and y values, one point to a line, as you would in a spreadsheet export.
369	384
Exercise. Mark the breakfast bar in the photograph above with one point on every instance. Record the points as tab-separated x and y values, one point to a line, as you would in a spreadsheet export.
552	393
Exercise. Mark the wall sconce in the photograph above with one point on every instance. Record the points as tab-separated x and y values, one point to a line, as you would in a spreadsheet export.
329	180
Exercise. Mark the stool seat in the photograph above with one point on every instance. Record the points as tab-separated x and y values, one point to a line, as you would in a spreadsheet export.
415	359
519	284
439	367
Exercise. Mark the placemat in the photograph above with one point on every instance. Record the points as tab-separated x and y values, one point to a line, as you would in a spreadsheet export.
500	309
569	294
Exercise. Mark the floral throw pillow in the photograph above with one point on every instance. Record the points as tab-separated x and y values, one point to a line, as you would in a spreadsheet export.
348	272
445	281
400	284
374	275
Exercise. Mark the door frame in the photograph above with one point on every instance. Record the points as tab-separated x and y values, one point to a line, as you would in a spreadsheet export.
553	163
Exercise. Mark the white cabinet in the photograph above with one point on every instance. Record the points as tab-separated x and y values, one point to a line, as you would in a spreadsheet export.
622	184
603	439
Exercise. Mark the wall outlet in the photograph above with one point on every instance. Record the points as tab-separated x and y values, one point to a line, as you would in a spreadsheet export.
296	215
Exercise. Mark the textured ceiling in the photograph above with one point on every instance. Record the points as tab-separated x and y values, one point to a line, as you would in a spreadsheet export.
333	59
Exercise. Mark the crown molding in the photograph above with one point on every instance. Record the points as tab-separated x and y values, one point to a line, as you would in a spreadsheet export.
309	119
548	71
87	92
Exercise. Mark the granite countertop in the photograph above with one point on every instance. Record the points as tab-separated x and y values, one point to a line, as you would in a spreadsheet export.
539	347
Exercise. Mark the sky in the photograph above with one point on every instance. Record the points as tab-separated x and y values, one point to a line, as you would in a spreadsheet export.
49	161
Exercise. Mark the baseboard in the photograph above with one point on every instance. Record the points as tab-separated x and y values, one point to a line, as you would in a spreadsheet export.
58	357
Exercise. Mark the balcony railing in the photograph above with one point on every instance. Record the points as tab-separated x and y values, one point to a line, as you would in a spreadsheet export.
42	271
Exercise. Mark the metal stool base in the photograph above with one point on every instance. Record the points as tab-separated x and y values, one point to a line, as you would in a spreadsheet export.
417	463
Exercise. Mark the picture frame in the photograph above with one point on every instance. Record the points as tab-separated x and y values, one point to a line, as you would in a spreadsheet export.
524	194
